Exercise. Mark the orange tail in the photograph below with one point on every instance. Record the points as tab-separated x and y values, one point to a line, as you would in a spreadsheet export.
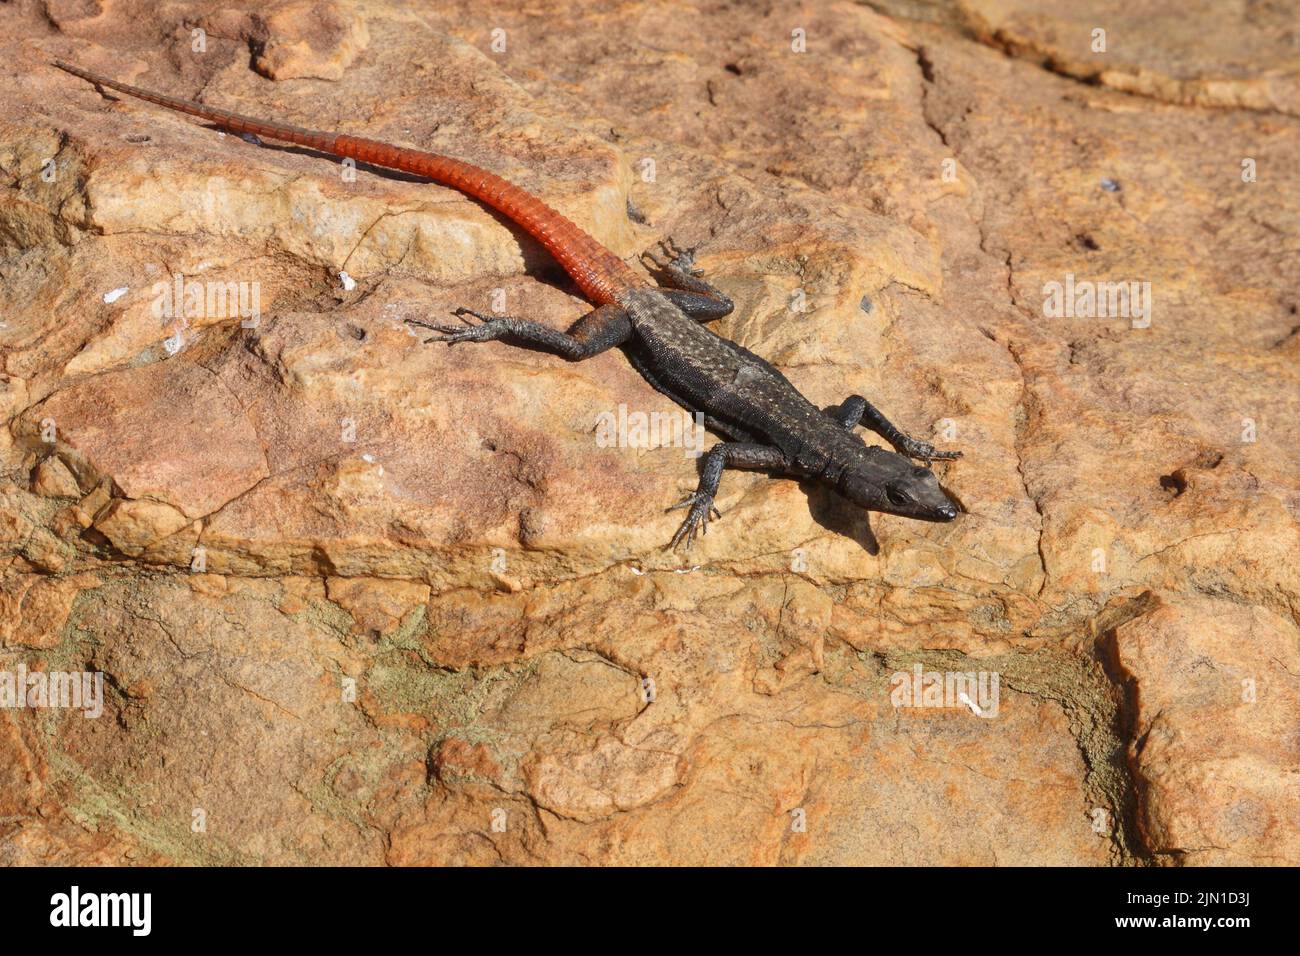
598	272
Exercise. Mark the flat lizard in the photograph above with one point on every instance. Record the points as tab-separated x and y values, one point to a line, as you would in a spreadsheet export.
769	425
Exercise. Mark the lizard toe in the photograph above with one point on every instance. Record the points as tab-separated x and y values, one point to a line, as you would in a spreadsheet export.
684	503
650	260
679	258
697	519
461	312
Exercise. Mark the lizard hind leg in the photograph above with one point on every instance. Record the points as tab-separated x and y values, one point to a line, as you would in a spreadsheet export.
675	270
700	502
598	331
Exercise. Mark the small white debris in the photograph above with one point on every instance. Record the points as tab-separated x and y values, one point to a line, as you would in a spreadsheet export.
367	457
111	297
637	571
349	283
970	703
686	570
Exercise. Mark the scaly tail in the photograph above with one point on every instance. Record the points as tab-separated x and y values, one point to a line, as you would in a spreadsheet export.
598	272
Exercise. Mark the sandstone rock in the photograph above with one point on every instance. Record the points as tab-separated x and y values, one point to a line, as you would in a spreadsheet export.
311	38
196	451
377	606
20	783
34	608
373	601
1215	747
1195	53
54	480
132	526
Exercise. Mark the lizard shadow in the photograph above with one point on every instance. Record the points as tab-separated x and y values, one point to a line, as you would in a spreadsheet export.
394	174
839	515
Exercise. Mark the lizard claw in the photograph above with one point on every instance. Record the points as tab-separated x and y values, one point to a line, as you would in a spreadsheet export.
683	259
461	312
671	256
485	331
442	330
652	262
697	519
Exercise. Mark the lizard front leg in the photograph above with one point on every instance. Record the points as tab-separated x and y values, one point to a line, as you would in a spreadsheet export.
674	268
597	331
720	456
856	410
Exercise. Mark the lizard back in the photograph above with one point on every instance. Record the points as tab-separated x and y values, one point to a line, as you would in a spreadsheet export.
746	394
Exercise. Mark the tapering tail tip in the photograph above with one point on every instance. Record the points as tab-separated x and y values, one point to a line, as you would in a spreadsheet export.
90	76
78	72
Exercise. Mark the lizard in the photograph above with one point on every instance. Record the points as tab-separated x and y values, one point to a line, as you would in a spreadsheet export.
767	423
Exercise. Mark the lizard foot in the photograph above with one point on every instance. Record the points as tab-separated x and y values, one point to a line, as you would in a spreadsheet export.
926	452
487	329
669	254
697	519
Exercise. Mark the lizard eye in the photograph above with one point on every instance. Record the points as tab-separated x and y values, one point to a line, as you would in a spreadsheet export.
896	497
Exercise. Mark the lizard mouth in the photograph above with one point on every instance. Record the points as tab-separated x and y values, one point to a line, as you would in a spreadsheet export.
938	513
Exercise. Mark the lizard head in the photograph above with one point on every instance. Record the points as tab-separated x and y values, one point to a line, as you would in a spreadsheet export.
889	482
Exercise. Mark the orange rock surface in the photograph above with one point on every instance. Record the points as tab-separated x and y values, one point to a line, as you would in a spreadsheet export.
361	600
